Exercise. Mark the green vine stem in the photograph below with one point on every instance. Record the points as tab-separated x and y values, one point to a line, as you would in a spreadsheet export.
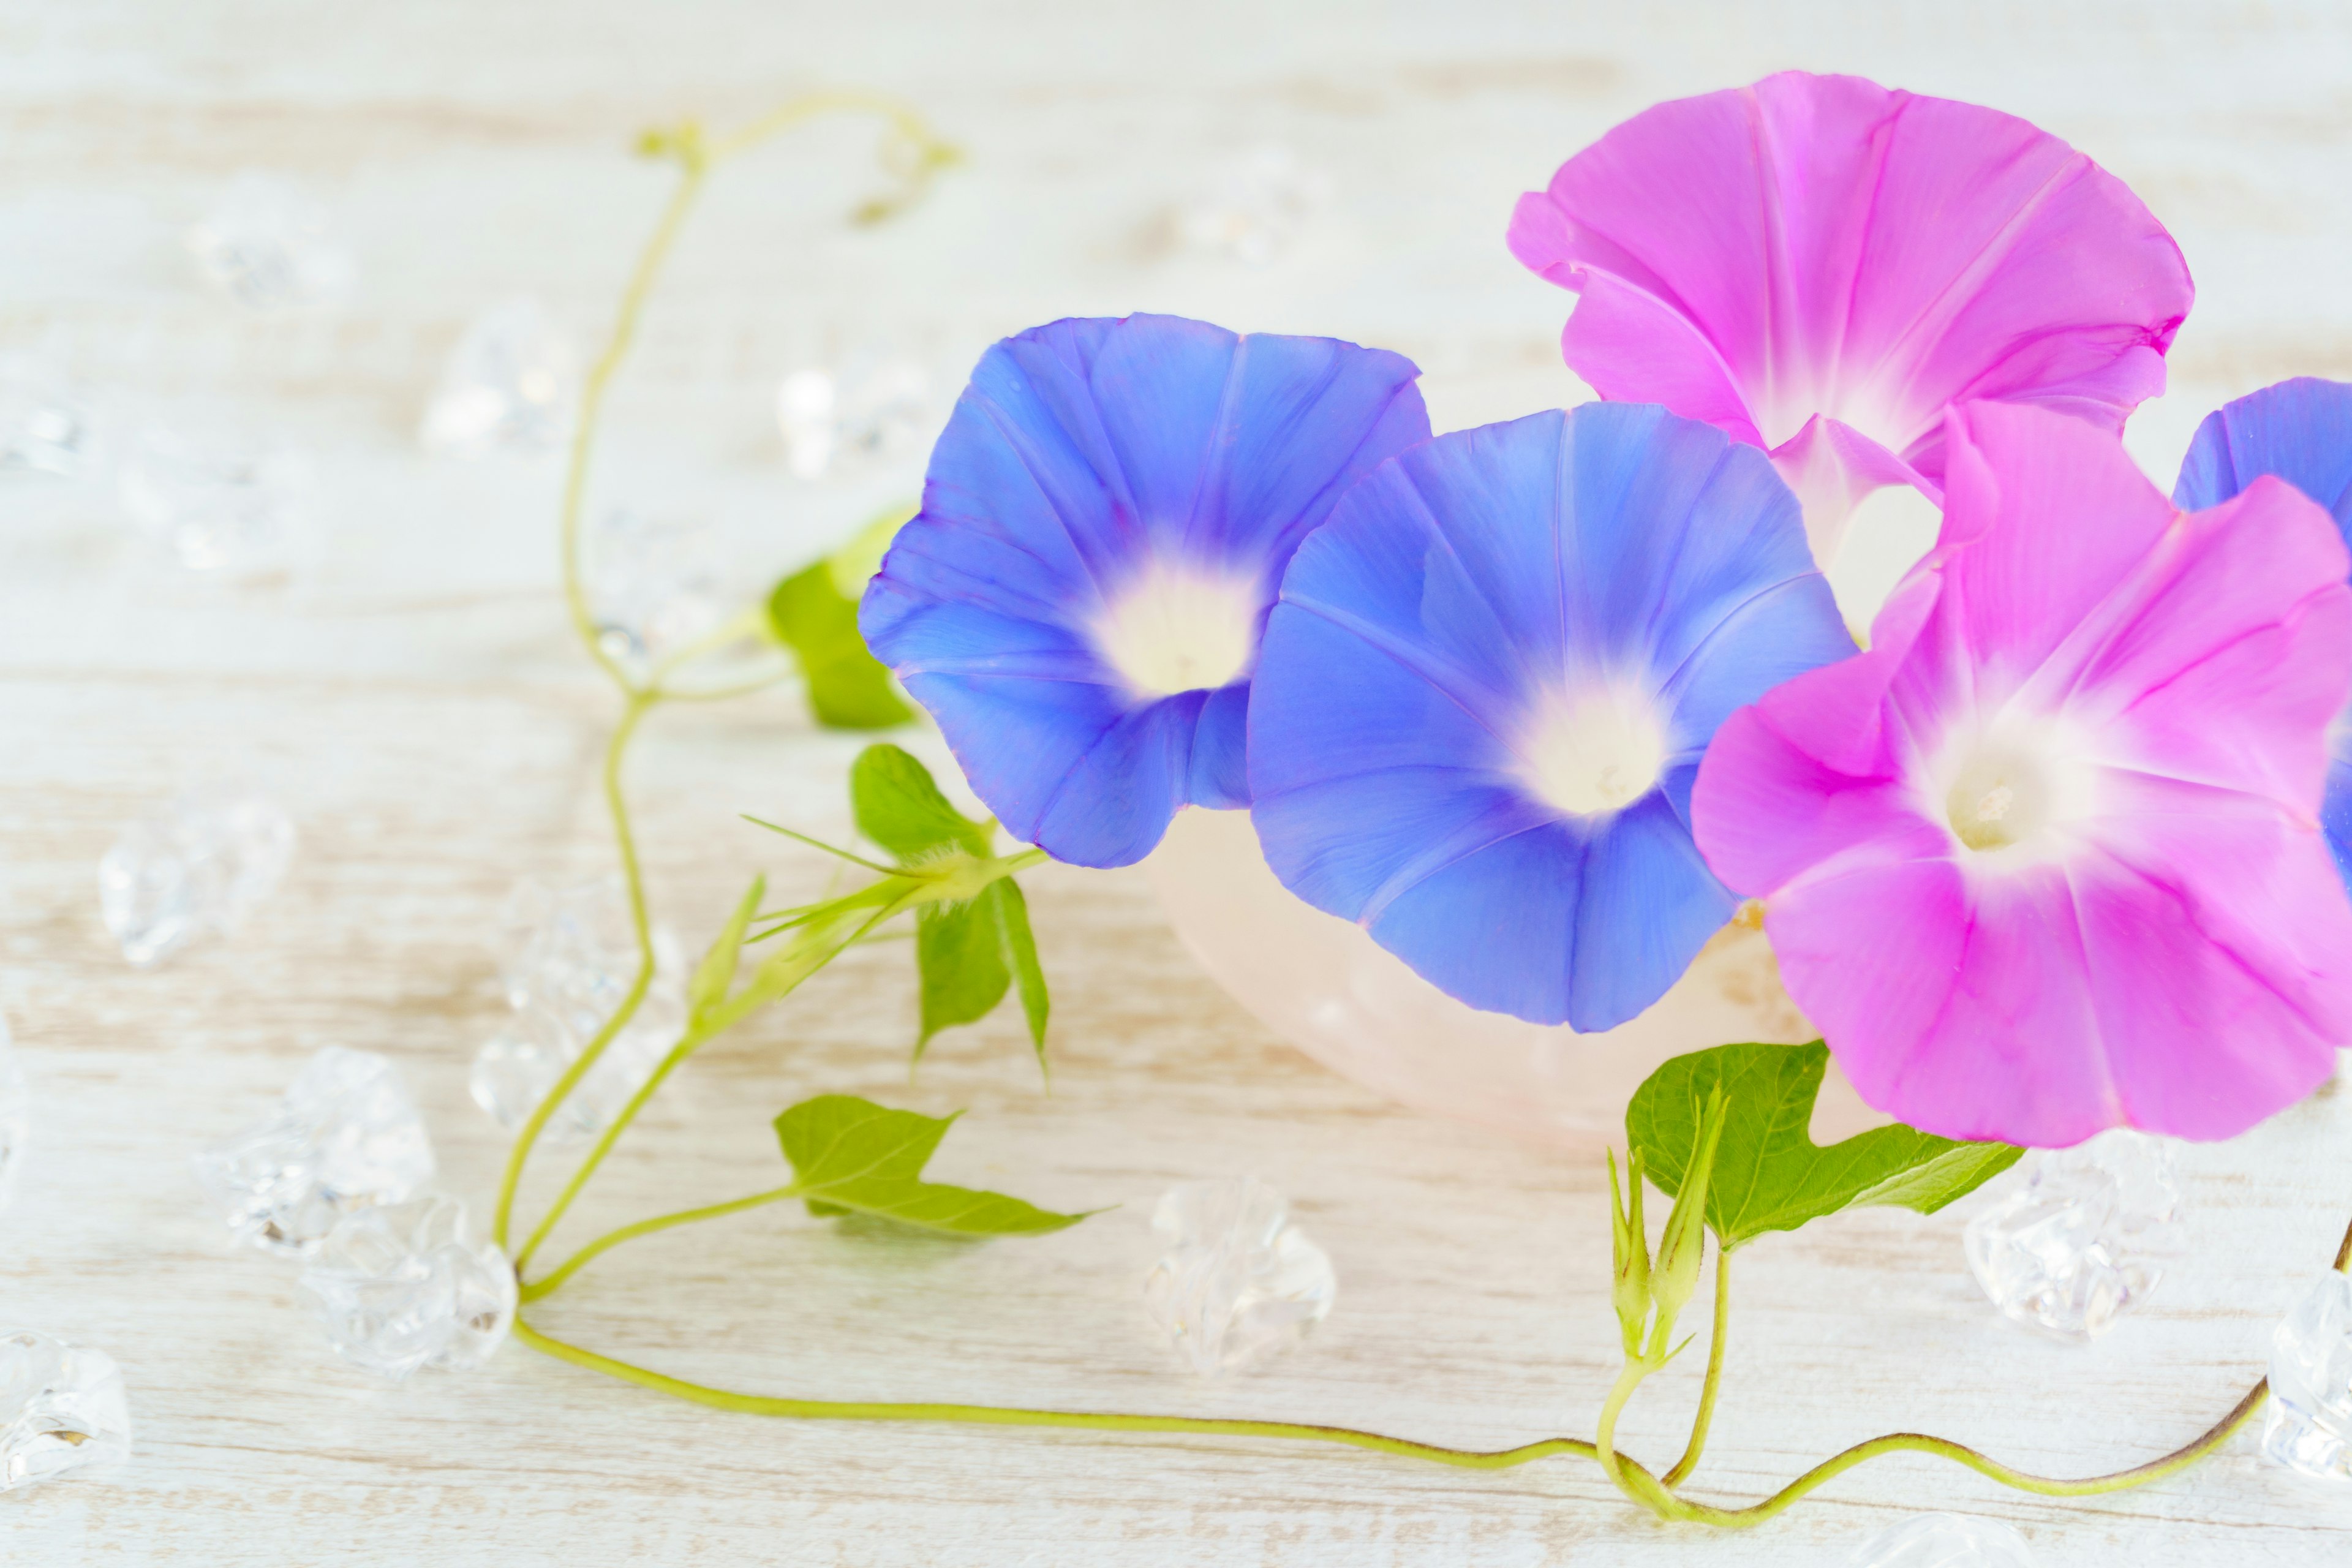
921	153
1712	1383
1631	1476
820	936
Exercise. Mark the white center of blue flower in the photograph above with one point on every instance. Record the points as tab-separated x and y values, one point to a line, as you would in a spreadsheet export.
1180	629
1597	752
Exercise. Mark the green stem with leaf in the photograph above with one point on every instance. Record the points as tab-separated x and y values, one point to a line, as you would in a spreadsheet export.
920	154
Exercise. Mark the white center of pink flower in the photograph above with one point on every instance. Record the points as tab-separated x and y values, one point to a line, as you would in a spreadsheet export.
1597	752
2012	791
1179	628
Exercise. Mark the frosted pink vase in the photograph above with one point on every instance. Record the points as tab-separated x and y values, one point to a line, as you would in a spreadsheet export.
1323	985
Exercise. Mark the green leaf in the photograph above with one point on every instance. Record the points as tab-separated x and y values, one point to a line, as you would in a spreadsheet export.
959	955
900	807
814	613
715	976
854	565
1769	1174
968	954
1021	947
851	1155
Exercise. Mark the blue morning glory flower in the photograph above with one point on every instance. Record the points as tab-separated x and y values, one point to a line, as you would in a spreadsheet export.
1483	698
2301	431
1104	528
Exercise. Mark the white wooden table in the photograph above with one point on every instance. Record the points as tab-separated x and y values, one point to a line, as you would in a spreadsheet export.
412	700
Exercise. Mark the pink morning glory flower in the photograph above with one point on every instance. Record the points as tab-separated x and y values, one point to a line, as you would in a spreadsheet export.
2047	858
1820	265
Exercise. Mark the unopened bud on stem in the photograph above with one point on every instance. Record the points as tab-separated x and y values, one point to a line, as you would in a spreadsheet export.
1675	1277
1629	1242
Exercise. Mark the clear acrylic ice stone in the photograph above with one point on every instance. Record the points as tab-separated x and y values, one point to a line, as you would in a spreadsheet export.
225	508
2309	1428
510	385
1944	1541
567	957
199	865
346	1137
44	427
271	246
1237	1282
61	1407
2086	1240
403	1287
653	586
874	409
15	1114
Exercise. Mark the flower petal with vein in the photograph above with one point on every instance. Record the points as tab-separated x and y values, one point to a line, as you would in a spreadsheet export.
1487	685
1105	523
2046	859
1820	265
2299	431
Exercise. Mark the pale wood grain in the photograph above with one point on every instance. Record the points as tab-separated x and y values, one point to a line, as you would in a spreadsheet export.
412	698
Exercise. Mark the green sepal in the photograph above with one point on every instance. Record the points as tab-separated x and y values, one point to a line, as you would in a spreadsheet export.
1769	1174
850	1156
714	977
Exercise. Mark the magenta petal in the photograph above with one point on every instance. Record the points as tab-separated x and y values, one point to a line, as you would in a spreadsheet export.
2220	956
1831	467
2046	859
1821	245
2014	1050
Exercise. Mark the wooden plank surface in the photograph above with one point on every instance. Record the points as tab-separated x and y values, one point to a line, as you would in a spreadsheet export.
409	696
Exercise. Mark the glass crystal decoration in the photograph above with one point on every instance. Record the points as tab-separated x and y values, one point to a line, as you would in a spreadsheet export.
1258	208
61	1407
653	586
510	385
44	427
566	958
346	1137
875	408
270	245
15	1114
200	864
2087	1240
1237	1282
2309	1428
1944	1541
402	1285
224	508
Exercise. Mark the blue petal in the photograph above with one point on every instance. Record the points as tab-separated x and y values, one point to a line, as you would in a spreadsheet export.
2299	430
1083	453
2335	807
1497	928
1648	905
1453	590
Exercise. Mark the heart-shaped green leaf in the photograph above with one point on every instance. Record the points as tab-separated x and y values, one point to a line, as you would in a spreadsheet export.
851	1155
1769	1172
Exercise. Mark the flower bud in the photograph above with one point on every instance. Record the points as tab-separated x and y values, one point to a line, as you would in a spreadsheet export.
1629	1242
1679	1252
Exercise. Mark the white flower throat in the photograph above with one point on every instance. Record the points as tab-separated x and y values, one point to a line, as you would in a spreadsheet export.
2010	790
1597	752
1180	629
